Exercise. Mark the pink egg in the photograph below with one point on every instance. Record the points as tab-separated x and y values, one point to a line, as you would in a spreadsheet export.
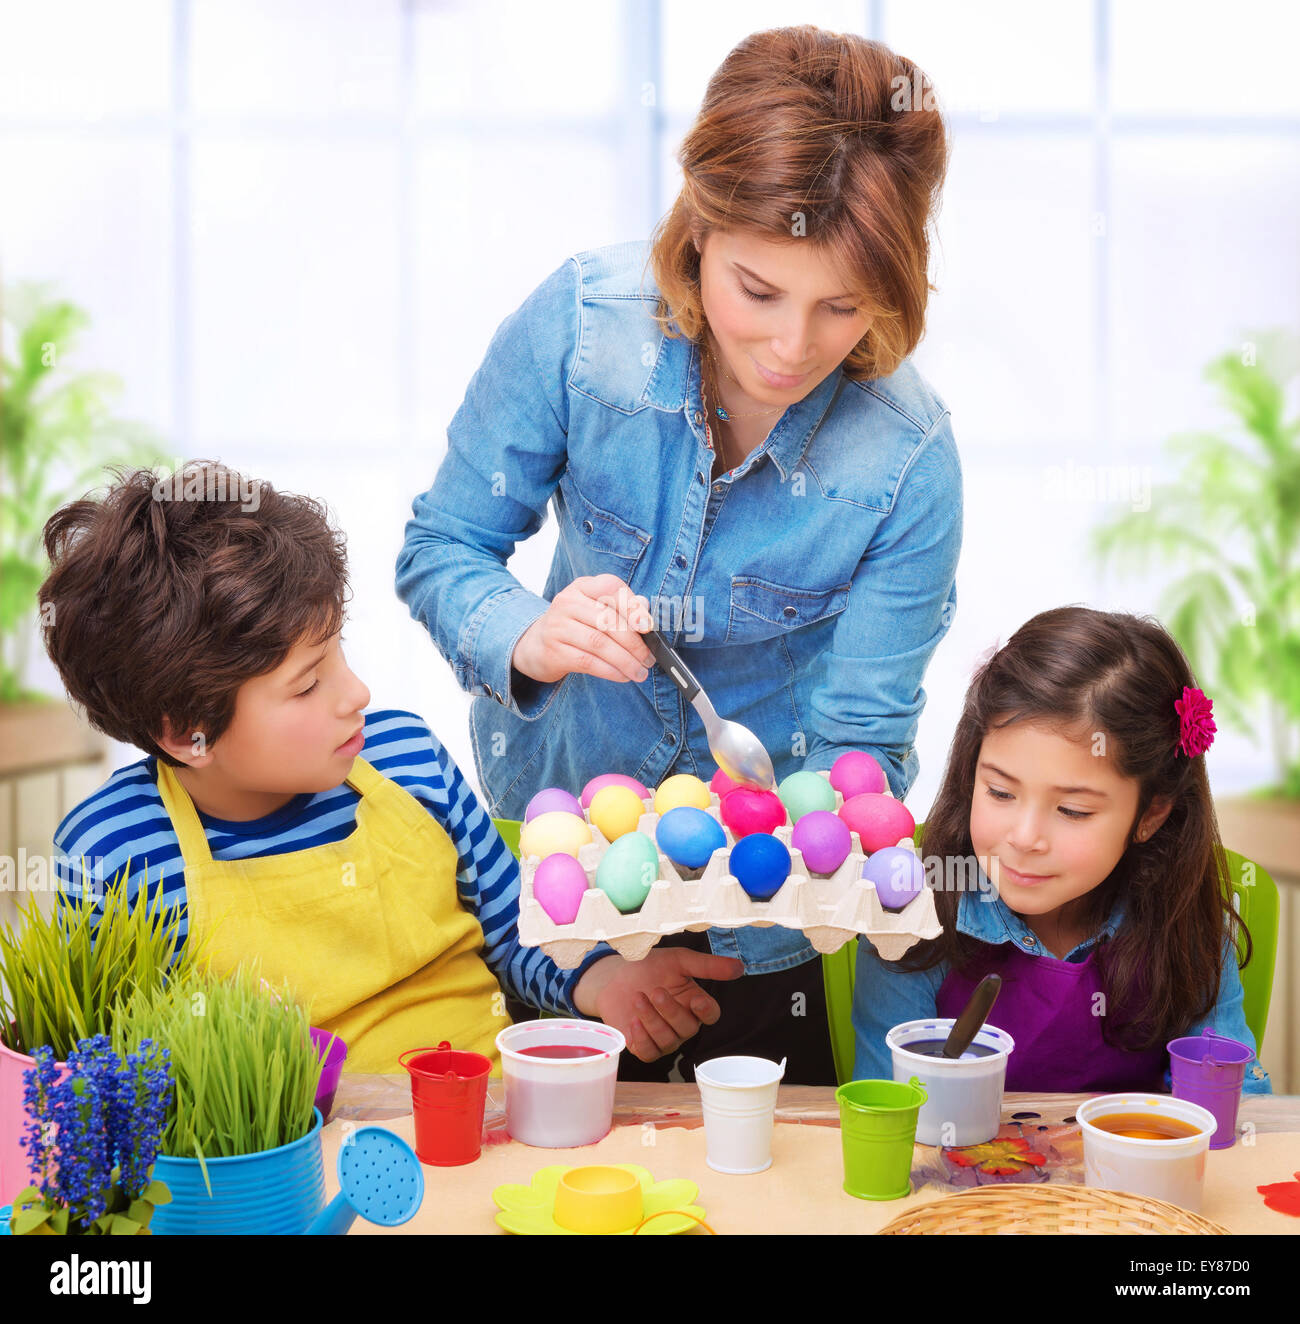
857	773
721	785
550	801
879	820
558	885
611	779
745	810
824	840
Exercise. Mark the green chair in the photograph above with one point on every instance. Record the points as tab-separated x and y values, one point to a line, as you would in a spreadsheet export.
1254	897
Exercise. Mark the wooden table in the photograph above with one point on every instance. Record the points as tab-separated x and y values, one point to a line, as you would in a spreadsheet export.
659	1127
375	1098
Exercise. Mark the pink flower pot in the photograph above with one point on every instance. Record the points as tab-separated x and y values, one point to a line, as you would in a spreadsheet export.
14	1176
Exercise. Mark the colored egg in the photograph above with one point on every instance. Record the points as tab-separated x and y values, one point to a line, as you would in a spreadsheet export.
689	836
558	886
627	871
552	800
898	875
823	839
549	834
611	779
805	793
616	810
681	789
760	864
720	784
879	820
857	773
746	811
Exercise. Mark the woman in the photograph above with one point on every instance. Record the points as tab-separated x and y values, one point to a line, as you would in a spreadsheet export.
737	448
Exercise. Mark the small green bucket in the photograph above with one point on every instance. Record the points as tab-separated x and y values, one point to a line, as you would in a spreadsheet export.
878	1132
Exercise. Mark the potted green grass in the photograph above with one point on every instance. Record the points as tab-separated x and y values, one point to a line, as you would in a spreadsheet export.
241	1146
62	978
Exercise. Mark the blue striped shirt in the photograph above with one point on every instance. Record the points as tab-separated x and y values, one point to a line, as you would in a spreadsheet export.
124	824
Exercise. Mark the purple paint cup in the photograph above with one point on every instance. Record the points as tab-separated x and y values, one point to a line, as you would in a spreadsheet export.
331	1069
1208	1069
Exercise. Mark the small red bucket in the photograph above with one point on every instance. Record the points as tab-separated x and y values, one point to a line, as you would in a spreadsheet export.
448	1097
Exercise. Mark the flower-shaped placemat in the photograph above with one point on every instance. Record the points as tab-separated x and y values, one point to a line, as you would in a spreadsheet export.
530	1210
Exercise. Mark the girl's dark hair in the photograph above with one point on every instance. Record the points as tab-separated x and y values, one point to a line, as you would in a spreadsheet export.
810	136
169	593
1087	674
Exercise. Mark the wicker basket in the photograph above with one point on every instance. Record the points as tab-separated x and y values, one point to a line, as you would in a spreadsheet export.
1014	1208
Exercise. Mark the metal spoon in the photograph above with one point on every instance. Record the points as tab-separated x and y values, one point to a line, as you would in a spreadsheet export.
736	748
973	1015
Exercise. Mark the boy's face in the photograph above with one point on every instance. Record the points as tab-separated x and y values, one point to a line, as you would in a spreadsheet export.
297	728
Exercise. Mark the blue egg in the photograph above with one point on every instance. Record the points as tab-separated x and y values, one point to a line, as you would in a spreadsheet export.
689	836
760	864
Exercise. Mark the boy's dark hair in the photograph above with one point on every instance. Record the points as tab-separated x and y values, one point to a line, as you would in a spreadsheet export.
1076	670
169	593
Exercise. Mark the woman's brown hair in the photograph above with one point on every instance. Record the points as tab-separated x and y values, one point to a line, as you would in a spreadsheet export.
1086	674
812	136
169	593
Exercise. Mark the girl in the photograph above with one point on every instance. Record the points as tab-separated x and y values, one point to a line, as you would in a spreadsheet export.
1076	793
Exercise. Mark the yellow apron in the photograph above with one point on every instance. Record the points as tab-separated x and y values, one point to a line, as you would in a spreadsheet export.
368	932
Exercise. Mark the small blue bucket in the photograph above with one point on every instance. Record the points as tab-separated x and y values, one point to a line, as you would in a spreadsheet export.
276	1192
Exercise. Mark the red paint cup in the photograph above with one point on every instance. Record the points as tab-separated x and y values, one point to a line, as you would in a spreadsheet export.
448	1097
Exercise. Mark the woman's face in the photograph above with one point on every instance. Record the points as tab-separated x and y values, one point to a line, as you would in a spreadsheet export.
785	322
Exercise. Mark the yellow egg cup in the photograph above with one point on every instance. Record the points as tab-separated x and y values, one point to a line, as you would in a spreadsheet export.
597	1200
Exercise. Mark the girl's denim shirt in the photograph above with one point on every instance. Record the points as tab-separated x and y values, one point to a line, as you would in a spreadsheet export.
807	589
884	997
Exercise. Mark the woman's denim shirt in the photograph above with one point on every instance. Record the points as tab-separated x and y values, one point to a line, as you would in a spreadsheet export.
807	589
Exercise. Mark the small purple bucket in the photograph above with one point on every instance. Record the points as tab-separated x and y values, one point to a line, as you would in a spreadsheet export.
1209	1069
331	1068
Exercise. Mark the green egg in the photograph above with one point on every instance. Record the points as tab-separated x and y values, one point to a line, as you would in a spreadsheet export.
802	792
627	869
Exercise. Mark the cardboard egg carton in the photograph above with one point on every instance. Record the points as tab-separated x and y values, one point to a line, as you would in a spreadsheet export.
829	911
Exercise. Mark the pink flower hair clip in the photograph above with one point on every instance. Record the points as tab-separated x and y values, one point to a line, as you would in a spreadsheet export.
1196	726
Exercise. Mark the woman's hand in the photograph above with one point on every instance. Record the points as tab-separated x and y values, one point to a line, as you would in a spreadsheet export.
592	626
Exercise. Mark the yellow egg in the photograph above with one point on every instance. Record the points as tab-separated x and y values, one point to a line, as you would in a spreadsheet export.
616	810
682	789
558	832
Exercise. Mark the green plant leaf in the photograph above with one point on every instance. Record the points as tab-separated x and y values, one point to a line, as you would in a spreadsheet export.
27	1220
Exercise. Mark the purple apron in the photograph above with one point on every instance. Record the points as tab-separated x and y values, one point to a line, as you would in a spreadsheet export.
1046	1006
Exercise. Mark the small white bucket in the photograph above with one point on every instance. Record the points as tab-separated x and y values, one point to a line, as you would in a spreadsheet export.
738	1097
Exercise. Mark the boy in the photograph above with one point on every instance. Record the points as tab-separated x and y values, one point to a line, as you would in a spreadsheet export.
204	627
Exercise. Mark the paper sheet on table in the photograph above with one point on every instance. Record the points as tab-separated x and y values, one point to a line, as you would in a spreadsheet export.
800	1193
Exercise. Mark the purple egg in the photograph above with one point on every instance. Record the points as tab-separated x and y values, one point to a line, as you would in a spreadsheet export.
824	840
558	886
897	874
552	801
611	779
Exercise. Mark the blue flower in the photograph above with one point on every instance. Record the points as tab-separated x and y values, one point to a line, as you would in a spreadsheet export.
101	1124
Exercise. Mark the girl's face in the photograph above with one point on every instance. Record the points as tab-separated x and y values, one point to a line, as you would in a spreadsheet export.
784	322
1052	816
